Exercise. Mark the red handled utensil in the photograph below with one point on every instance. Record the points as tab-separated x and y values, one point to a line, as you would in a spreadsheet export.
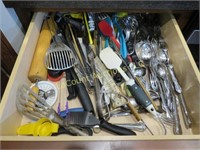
107	30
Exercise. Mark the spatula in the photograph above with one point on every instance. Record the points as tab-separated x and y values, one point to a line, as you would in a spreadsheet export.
63	59
86	119
107	30
113	61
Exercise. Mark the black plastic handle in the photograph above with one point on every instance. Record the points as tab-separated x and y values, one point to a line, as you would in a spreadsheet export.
70	87
82	93
55	73
139	95
116	129
78	25
62	130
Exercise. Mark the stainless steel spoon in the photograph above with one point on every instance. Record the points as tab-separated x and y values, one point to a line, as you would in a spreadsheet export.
162	73
175	82
162	56
184	109
171	99
139	71
144	51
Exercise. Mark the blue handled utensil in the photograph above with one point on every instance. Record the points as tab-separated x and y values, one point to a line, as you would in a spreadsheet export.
123	48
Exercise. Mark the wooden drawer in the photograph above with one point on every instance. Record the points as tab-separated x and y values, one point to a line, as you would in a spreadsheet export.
186	71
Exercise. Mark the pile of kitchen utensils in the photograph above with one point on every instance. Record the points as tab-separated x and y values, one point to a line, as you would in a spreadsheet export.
144	80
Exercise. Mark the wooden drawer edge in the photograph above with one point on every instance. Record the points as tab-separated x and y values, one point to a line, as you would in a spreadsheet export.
189	75
187	50
100	138
15	71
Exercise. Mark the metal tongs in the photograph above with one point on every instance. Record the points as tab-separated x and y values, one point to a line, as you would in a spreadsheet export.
35	107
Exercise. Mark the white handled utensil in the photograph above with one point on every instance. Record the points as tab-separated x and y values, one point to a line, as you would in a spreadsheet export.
113	61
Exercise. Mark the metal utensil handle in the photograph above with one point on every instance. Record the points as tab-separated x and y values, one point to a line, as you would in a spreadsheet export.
136	126
186	116
167	91
177	127
75	131
164	104
176	84
116	129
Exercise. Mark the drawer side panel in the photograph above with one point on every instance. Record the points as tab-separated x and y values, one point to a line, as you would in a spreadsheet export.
185	68
10	118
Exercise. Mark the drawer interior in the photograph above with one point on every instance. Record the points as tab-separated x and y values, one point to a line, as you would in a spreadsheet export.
180	56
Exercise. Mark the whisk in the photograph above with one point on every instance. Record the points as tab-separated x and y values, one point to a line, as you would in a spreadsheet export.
129	22
34	107
129	25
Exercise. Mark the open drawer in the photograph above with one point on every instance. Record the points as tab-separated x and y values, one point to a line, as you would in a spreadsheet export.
186	72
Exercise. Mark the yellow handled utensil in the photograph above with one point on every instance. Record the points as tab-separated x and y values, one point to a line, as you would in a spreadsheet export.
37	69
43	127
87	28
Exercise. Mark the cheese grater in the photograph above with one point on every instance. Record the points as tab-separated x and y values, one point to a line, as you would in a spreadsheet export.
109	84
